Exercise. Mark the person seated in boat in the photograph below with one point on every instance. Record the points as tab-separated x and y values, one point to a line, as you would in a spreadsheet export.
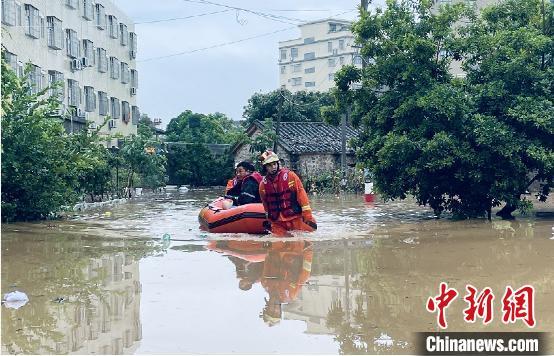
243	189
284	198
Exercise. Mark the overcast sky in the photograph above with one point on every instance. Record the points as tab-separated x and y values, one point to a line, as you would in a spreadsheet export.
219	79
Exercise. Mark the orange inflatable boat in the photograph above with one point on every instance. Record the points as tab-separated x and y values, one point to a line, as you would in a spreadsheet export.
248	218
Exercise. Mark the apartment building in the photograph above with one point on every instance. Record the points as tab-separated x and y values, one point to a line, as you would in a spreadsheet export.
311	61
88	46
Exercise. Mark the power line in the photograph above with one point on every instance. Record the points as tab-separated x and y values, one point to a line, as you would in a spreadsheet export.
217	45
182	18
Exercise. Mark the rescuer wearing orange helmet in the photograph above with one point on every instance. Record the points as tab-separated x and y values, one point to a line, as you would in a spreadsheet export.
284	198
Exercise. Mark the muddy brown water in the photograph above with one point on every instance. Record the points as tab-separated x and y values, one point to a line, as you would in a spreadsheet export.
105	282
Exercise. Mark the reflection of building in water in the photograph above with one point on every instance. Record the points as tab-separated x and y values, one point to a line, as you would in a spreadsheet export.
100	313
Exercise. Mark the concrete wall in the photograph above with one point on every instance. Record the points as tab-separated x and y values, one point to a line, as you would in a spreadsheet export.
37	51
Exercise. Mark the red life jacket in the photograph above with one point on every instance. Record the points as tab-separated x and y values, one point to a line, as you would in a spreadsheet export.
256	176
279	197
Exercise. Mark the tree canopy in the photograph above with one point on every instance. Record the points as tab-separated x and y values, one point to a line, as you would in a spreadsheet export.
300	106
457	144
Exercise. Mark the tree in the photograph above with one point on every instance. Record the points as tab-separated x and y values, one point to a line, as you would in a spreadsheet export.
194	136
300	106
457	145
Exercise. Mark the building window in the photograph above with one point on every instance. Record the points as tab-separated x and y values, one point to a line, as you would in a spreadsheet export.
357	60
283	69
56	78
35	79
11	60
100	16
115	108
341	60
73	93
330	47
113	26
125	112
9	12
135	112
296	81
332	62
309	84
134	78
102	60
341	45
55	32
32	21
124	34
296	68
114	68
283	54
293	53
102	103
72	43
88	10
309	55
71	4
88	53
309	40
132	45
90	99
309	70
125	73
331	76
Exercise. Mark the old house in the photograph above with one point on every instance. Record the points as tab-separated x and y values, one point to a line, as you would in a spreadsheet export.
308	148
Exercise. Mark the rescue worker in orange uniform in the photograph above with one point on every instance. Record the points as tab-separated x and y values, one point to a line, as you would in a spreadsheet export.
287	267
284	198
244	188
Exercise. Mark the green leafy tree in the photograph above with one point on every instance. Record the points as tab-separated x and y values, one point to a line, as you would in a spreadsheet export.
300	106
457	145
36	166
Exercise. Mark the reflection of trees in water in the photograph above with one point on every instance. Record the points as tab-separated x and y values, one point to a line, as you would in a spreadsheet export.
98	281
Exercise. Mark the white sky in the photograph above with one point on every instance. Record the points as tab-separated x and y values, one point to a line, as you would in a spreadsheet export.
220	79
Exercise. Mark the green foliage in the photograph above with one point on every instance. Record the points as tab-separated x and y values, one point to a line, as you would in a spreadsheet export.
458	145
300	106
191	161
330	182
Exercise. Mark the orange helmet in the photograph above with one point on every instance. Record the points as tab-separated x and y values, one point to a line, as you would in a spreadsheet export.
268	157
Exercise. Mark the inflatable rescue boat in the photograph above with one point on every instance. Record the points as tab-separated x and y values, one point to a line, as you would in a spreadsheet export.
248	218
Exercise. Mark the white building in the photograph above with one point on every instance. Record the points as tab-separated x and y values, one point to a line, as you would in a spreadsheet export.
310	62
89	46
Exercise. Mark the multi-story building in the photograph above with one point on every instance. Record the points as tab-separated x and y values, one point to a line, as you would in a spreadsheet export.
88	46
310	62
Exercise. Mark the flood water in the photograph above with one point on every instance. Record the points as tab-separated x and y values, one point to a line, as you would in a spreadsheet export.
105	282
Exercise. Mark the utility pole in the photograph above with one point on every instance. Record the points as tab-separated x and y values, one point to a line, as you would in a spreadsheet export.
278	123
344	119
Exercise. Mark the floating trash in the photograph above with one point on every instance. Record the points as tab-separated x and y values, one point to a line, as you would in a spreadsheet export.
15	300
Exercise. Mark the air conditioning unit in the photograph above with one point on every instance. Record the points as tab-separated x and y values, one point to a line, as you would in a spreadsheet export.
132	54
112	124
157	120
85	62
80	112
75	64
133	91
92	126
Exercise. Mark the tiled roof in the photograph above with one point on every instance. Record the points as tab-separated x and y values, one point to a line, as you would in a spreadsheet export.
312	137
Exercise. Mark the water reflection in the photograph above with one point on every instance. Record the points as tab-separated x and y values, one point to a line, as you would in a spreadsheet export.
84	294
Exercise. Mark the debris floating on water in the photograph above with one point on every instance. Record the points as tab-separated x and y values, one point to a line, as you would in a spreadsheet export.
15	300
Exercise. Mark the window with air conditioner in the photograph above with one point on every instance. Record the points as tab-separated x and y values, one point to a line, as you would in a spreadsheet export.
309	55
331	62
296	81
294	53
9	12
56	84
115	108
114	68
35	79
135	115
73	93
11	59
283	55
329	47
125	111
88	53
100	16
341	60
132	45
309	70
72	43
102	103
341	45
124	34
113	26
102	60
90	99
309	84
309	40
32	21
88	10
55	32
125	73
134	78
